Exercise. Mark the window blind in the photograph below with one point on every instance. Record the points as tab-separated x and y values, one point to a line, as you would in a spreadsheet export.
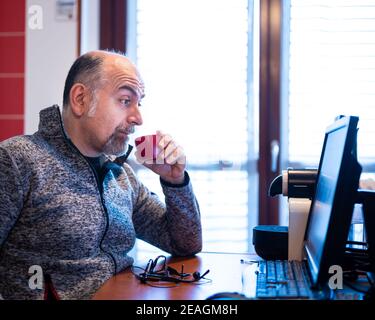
193	57
331	57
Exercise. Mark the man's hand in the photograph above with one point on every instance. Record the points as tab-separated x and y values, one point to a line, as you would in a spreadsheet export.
170	163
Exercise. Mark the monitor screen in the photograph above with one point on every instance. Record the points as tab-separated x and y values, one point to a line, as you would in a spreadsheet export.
332	206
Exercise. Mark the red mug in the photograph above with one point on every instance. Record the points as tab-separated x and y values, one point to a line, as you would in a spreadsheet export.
147	147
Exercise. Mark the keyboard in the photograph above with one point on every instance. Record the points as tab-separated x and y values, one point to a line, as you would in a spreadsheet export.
282	279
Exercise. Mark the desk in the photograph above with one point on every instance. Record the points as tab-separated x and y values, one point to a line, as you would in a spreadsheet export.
226	272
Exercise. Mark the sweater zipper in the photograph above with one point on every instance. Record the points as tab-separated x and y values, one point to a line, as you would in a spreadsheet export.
98	189
105	213
101	201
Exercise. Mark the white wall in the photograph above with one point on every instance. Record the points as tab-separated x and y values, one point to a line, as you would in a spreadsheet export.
90	24
49	55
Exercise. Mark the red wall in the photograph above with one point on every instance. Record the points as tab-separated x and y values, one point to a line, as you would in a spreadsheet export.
12	67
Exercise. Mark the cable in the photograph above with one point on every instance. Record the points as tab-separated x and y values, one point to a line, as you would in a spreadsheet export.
167	274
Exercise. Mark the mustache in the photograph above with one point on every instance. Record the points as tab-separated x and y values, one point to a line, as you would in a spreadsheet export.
125	130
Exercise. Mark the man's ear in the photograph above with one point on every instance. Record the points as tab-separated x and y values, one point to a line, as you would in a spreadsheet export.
78	99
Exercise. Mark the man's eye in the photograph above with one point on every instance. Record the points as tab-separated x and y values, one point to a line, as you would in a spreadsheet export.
125	102
139	104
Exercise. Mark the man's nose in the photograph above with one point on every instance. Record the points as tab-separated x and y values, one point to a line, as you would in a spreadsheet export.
135	116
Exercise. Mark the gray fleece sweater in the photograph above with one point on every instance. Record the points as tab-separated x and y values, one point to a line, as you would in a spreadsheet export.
53	215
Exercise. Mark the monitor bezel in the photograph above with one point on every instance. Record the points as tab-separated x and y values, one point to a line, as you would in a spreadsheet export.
342	205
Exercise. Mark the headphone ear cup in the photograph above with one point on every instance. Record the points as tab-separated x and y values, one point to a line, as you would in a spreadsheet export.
196	275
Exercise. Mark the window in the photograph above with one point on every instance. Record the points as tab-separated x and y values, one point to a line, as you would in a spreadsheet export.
196	59
329	58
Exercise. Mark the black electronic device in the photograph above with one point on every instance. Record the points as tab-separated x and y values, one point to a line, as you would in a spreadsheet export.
294	183
333	202
329	220
271	242
227	296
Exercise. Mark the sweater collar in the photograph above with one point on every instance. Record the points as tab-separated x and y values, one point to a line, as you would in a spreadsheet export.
50	122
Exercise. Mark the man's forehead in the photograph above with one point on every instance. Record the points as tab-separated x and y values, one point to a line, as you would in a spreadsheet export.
123	74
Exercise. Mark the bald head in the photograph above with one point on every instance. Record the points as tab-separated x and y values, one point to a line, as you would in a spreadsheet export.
94	69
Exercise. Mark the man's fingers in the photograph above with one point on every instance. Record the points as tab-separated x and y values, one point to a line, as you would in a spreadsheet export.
164	141
176	156
171	147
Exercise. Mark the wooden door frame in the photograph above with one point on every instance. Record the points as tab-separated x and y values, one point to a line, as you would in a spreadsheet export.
269	104
113	19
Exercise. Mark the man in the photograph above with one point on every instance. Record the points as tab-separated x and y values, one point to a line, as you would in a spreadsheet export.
69	210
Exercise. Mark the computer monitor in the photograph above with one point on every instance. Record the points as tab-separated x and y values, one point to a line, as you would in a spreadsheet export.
333	202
